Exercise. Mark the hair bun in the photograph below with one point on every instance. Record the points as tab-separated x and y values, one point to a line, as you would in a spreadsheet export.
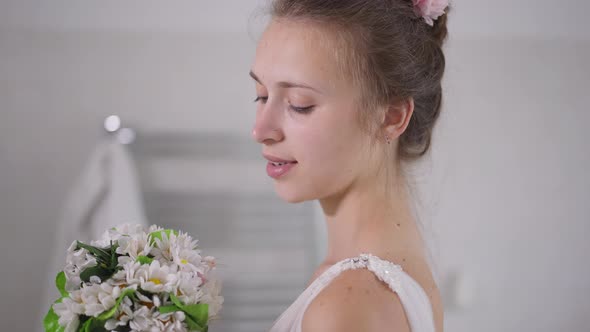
439	29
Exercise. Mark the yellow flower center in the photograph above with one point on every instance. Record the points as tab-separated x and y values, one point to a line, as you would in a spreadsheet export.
156	281
183	261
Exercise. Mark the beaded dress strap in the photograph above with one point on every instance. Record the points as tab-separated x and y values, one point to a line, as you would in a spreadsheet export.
386	271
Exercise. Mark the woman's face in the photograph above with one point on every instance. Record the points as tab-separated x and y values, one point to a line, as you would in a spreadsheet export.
306	112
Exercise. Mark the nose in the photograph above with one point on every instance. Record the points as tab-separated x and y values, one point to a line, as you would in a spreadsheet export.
267	127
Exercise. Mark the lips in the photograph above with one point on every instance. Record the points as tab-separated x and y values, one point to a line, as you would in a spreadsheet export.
282	163
278	167
278	160
278	170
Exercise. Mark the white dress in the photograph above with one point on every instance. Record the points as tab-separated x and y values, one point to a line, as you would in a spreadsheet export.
412	296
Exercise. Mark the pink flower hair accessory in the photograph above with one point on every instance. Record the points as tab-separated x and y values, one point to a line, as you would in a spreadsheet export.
430	10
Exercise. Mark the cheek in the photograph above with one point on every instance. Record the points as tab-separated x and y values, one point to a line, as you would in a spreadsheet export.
330	152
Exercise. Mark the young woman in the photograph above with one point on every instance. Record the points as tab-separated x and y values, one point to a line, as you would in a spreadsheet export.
348	93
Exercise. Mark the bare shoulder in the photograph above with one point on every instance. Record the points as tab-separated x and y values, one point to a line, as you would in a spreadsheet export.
355	301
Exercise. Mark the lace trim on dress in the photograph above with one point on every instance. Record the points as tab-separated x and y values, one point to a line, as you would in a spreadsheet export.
386	271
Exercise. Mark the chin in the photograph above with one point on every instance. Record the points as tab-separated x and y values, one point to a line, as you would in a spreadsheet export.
290	194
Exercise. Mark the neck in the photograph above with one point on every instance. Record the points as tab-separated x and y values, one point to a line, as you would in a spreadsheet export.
366	219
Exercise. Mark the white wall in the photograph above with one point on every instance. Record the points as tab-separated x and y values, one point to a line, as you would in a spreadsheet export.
506	190
56	88
513	210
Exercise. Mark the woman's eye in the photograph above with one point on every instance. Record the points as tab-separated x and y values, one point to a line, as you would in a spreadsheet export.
259	98
303	110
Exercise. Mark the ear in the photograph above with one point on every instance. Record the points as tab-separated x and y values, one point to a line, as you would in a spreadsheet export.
397	117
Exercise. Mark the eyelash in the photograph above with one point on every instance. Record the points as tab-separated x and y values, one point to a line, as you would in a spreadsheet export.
302	110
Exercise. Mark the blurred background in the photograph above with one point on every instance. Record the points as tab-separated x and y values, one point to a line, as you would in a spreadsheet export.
503	197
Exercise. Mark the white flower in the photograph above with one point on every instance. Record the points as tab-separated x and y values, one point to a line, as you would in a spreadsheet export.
158	279
114	234
170	322
154	228
130	274
123	315
95	280
162	247
155	301
129	229
210	261
177	268
142	319
73	281
69	310
167	245
133	246
104	241
99	298
185	241
211	296
189	287
76	262
186	259
81	257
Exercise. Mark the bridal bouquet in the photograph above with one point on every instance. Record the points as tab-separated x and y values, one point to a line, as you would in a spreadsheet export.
136	279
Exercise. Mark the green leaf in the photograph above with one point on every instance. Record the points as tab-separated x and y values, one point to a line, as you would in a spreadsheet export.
108	314
193	325
96	324
107	261
198	312
51	320
164	309
176	301
114	255
60	283
144	260
197	315
158	235
100	253
93	325
99	271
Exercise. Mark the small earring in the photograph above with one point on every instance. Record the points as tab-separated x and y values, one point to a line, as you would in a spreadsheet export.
387	139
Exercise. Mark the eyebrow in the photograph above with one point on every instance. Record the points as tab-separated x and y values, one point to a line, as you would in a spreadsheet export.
286	84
